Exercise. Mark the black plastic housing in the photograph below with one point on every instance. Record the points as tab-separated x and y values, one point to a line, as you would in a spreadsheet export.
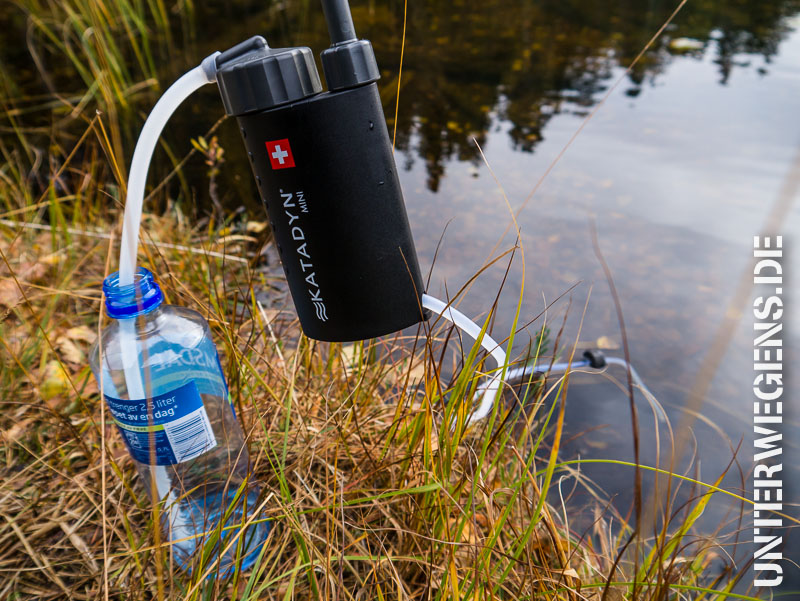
336	209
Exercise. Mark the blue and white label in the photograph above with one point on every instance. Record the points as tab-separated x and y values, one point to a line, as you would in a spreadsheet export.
176	422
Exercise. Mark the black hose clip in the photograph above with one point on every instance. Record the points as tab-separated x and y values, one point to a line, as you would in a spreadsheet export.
595	357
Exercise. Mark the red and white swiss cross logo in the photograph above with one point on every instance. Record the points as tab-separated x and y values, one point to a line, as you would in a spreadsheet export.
280	154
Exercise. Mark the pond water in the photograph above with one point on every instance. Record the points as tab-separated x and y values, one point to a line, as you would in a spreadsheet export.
678	170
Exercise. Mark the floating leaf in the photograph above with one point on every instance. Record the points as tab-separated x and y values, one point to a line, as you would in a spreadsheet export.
606	343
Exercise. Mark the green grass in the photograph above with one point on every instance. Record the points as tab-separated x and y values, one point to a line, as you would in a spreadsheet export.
370	497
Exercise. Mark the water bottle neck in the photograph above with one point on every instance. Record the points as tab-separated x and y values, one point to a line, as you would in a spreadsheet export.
145	322
141	298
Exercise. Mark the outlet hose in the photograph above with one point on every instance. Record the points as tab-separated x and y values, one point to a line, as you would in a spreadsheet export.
140	165
179	91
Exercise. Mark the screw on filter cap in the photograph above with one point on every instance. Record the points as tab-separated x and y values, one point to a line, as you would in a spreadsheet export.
350	64
254	77
131	300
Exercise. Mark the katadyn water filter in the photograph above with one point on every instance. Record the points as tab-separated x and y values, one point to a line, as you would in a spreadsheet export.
325	172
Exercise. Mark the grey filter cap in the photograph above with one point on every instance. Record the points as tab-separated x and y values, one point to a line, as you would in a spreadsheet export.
349	64
254	77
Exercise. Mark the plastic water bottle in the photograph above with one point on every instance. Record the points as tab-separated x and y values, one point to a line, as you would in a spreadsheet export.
164	386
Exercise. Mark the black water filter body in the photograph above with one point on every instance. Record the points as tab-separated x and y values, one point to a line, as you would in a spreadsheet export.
326	174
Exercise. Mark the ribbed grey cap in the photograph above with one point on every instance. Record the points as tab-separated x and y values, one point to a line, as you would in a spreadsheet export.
254	77
349	64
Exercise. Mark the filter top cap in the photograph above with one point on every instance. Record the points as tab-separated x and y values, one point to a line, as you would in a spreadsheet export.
254	77
349	64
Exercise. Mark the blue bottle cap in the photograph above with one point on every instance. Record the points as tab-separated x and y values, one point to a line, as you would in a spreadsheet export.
142	296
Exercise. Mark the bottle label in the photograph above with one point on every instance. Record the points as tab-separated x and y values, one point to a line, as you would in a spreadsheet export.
167	429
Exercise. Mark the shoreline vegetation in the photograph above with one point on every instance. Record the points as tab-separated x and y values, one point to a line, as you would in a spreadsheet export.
369	496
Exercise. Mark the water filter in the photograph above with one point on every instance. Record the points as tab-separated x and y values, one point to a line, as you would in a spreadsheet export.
326	175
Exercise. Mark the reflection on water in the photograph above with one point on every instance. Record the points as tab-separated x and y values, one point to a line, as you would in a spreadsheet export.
471	66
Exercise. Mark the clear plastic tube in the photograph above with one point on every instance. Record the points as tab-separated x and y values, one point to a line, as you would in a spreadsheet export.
487	391
137	178
140	165
527	370
471	329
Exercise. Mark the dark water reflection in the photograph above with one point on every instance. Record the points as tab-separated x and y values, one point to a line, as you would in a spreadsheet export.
469	65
